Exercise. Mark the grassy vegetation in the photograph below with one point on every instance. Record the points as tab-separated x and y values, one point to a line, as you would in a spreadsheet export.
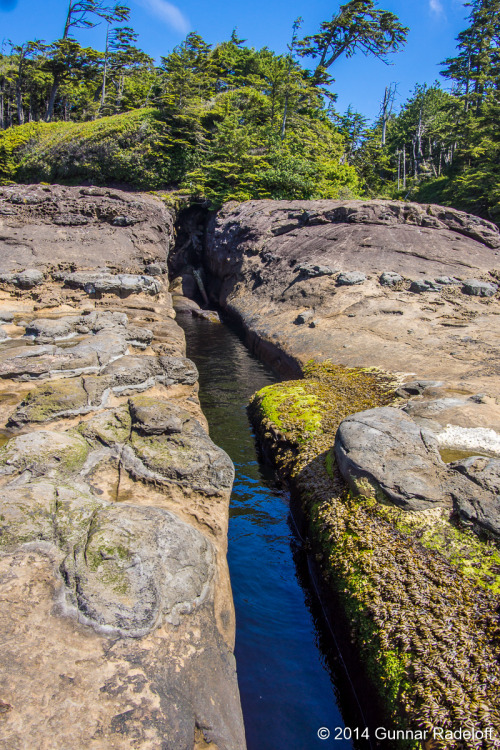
131	148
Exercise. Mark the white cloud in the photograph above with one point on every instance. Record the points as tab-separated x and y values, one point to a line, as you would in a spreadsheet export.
436	7
170	14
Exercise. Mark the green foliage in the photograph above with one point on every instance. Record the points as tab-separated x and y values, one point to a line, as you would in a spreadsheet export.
358	25
231	123
443	147
130	148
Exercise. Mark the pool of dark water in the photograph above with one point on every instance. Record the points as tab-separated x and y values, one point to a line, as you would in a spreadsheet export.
290	677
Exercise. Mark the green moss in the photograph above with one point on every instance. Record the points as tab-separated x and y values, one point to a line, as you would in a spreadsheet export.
330	463
109	427
65	458
109	563
293	405
51	400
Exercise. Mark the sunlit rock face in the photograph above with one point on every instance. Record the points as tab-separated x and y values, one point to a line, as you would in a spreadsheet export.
114	501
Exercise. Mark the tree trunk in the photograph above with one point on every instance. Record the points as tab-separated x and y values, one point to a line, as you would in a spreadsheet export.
386	108
283	124
52	100
20	109
67	25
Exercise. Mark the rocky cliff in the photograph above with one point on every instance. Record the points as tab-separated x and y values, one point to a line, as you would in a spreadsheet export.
116	610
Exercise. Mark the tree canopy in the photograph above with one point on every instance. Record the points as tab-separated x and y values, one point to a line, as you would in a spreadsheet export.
229	121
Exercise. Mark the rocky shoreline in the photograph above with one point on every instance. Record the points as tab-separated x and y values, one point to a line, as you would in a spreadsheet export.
407	296
113	527
116	607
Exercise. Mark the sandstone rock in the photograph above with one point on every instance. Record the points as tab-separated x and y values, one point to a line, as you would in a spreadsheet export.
130	583
62	225
447	280
124	221
304	317
372	237
110	427
184	455
154	269
416	387
178	370
350	278
311	270
477	288
139	336
29	278
383	453
483	471
184	304
390	278
48	402
24	279
47	329
210	315
43	452
91	547
107	283
152	417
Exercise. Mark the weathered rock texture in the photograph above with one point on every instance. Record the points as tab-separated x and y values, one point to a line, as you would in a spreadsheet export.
43	227
278	265
383	453
115	607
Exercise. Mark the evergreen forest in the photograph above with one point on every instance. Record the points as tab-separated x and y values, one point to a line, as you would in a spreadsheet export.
230	122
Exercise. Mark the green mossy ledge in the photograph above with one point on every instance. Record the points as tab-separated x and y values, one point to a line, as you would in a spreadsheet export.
419	596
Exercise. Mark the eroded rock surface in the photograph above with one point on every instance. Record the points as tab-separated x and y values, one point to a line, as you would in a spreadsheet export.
49	226
383	453
115	594
263	255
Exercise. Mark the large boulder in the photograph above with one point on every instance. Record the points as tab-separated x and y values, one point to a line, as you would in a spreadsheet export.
384	453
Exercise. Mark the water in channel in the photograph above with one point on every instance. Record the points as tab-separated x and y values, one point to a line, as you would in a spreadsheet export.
287	671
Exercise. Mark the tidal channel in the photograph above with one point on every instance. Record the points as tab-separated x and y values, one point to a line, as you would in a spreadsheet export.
291	679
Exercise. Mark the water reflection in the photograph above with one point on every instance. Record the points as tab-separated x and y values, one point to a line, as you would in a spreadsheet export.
287	667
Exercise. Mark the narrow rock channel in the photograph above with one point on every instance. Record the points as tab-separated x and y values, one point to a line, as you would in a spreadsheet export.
290	681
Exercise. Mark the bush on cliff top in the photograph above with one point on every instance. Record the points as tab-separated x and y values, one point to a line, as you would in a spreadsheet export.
130	148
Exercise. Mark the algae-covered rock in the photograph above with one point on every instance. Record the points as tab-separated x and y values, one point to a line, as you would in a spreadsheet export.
110	427
44	452
51	401
137	566
417	594
27	514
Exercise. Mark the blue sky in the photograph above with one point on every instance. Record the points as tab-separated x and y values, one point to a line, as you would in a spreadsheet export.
360	81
